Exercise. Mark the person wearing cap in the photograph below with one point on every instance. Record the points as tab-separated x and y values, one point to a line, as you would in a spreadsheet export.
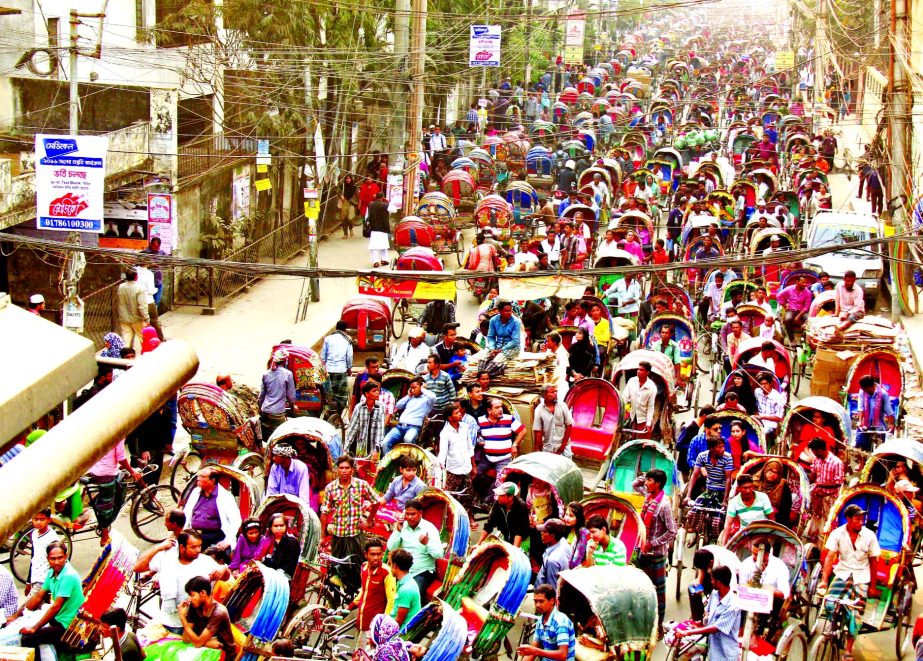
288	474
852	558
277	391
558	552
337	354
412	353
567	177
414	407
657	515
132	310
509	515
36	304
761	213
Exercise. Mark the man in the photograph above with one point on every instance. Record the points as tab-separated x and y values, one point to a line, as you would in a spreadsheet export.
153	248
435	317
341	519
770	405
409	355
9	598
876	414
705	252
509	516
379	225
666	345
641	393
772	574
175	569
693	433
500	435
132	310
504	334
437	143
146	280
765	358
734	340
206	623
106	474
850	301
723	622
372	367
439	383
377	591
552	423
456	452
288	474
420	538
657	515
212	511
337	354
603	548
747	506
366	429
447	348
826	475
36	304
573	248
277	392
567	178
608	246
766	151
406	486
712	298
554	632
716	465
414	407
62	584
828	147
627	293
852	558
551	245
796	299
820	286
558	552
407	602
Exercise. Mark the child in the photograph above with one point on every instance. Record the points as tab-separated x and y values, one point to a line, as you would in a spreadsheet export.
455	373
405	486
128	642
42	536
248	543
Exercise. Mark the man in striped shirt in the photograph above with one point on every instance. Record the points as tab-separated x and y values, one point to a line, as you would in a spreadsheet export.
438	382
499	435
603	548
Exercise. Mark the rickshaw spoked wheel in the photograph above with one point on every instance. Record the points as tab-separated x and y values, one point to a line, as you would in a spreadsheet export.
252	464
149	509
796	648
459	249
677	552
334	419
824	648
185	470
814	603
903	628
21	553
397	319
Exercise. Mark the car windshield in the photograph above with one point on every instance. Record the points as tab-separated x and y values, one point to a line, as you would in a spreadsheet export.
836	235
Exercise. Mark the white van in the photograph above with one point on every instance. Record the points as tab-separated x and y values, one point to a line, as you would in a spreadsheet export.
837	228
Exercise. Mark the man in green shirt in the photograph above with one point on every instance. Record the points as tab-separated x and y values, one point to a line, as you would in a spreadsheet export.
64	586
407	599
603	548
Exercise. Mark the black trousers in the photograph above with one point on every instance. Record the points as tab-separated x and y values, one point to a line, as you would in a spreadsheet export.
50	634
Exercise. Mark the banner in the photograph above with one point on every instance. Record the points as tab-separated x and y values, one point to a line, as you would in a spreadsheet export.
543	286
70	179
160	219
575	29
784	59
374	285
124	228
484	47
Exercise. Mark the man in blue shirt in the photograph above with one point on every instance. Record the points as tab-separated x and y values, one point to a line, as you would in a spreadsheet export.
415	406
337	354
504	333
554	632
723	621
557	555
276	392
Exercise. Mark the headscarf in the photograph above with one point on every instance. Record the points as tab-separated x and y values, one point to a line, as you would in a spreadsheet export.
114	344
383	632
283	450
772	489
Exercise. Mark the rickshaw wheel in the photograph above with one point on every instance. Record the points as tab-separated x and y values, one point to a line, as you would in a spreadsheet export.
185	470
459	249
812	610
903	628
148	511
21	554
796	648
397	319
252	464
336	420
678	548
824	648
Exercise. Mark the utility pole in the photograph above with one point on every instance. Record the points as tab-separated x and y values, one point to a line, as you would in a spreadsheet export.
74	98
399	86
899	128
819	52
417	53
528	78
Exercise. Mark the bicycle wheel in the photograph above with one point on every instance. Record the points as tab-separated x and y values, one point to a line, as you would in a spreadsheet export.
21	555
824	648
306	628
796	649
903	627
252	464
185	470
148	511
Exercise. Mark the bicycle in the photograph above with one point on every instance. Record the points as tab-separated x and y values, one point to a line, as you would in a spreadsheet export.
705	533
832	638
141	591
147	506
327	588
530	621
318	632
688	647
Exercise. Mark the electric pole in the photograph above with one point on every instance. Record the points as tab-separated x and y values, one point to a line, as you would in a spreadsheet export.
73	98
819	52
417	53
399	86
528	78
899	128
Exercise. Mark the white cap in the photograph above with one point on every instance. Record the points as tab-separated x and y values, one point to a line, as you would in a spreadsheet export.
775	237
570	164
419	331
36	299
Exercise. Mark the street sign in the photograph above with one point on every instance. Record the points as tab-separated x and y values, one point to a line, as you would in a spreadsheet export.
484	46
373	285
70	177
573	55
785	59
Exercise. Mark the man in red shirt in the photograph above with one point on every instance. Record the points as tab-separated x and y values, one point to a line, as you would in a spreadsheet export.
376	591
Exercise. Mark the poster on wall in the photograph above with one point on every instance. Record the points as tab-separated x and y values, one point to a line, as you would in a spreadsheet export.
160	219
70	178
124	227
484	46
240	193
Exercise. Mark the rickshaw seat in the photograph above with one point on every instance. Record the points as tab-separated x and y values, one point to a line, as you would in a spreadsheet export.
591	443
889	563
442	566
474	614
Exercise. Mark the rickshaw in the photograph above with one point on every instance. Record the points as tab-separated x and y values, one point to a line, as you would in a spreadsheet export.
637	220
497	214
597	411
750	373
663	374
614	612
886	366
222	430
413	231
304	525
410	309
312	383
795	498
624	520
370	325
678	299
780	356
759	242
488	592
524	200
461	189
539	162
486	169
615	259
247	492
788	638
888	518
685	365
438	628
798	427
753	433
465	164
560	475
256	602
317	443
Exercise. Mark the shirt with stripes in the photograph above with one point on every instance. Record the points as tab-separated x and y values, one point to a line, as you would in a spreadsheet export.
716	479
498	436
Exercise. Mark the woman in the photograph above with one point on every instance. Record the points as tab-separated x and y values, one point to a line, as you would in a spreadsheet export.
483	258
817	427
387	644
348	203
578	535
633	245
741	449
367	192
279	549
771	482
248	544
114	344
582	355
740	383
